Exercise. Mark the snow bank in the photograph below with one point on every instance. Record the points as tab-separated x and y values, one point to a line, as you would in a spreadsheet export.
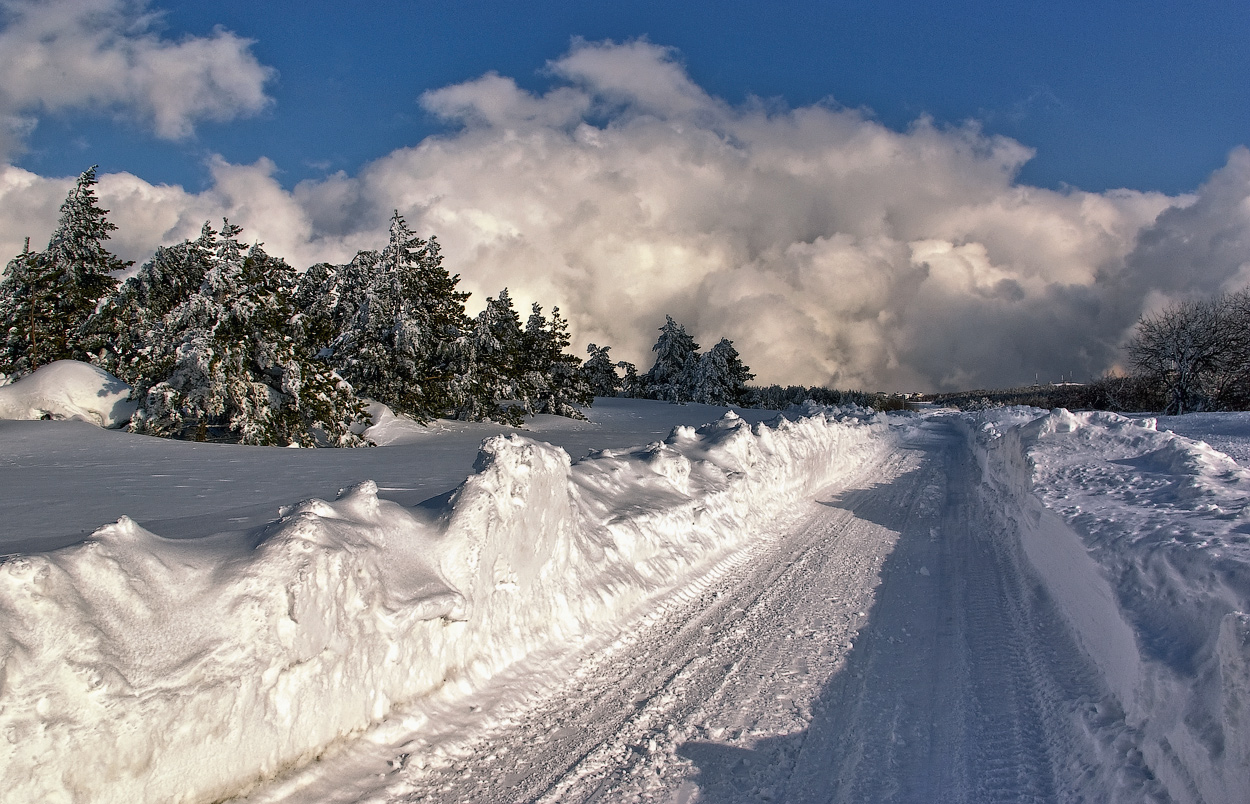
381	427
135	668
1143	539
1228	432
68	389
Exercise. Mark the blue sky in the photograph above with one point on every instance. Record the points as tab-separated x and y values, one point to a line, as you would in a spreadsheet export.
1145	95
895	196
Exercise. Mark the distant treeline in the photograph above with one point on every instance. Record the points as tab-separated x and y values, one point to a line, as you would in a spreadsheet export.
681	373
1192	355
220	340
1073	396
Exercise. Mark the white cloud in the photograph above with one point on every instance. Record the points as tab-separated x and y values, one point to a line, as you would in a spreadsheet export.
830	248
104	54
641	77
1201	247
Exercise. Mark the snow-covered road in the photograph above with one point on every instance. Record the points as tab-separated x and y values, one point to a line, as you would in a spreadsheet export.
1016	605
878	645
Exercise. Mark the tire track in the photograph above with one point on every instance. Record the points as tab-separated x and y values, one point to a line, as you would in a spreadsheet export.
702	667
888	643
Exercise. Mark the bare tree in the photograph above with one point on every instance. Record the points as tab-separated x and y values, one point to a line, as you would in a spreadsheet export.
1197	352
1233	390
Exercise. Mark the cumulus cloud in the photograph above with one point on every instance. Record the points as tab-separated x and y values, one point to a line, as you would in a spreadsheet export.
829	247
104	54
1201	247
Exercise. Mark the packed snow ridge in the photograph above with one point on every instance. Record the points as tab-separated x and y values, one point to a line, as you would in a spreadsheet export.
1142	538
140	669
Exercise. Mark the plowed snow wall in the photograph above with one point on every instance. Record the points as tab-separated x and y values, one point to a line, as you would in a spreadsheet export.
1140	539
140	669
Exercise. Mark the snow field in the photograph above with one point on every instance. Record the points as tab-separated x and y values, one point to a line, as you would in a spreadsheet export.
1141	538
136	668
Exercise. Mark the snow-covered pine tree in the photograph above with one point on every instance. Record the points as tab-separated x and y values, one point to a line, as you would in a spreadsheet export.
599	371
492	364
120	336
400	317
28	314
234	360
722	376
330	297
551	382
632	385
70	276
673	376
314	298
434	301
82	268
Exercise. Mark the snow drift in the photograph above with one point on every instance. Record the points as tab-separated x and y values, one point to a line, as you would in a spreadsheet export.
135	668
1143	540
68	389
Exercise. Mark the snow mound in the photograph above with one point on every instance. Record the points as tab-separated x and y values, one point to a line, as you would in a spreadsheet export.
68	389
382	427
1143	539
1227	432
135	668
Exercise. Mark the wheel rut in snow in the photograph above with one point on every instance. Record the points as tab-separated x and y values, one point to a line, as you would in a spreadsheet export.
885	644
736	657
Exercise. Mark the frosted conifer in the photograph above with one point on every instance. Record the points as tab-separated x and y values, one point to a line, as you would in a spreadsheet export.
47	297
28	314
229	357
721	377
673	377
599	372
551	380
399	318
493	364
632	385
120	336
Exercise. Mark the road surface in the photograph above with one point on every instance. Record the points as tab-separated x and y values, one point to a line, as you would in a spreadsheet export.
884	643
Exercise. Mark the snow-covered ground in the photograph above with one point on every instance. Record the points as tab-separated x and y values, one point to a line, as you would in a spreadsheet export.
1009	606
64	479
1227	432
1142	539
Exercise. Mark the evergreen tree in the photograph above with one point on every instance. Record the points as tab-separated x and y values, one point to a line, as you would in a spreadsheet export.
492	365
315	288
81	266
551	382
632	385
229	356
28	314
439	309
599	372
673	377
722	376
400	318
120	335
47	297
333	295
314	298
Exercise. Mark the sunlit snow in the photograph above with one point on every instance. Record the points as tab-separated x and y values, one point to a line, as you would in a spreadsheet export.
997	606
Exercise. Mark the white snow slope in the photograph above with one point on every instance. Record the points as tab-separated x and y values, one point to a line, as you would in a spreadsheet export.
135	668
1142	538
